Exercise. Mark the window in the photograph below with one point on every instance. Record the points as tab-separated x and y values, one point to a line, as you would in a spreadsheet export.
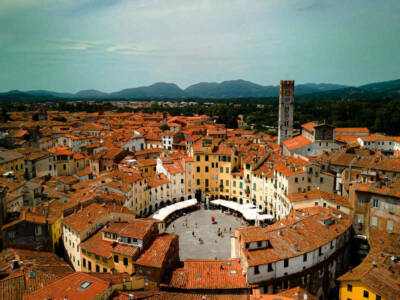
259	244
256	270
84	262
366	294
90	265
270	268
221	169
247	245
227	170
391	208
349	288
97	268
125	261
389	225
296	179
375	203
378	297
198	158
305	257
116	259
286	263
104	270
198	169
321	179
320	251
374	221
206	168
360	218
206	157
360	202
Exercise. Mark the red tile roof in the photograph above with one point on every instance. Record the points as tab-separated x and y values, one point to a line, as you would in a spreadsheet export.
157	253
209	275
71	287
309	126
297	142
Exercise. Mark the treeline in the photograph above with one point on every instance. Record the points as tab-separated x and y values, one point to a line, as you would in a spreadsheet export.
378	116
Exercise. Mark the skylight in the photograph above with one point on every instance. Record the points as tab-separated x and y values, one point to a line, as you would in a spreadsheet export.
84	285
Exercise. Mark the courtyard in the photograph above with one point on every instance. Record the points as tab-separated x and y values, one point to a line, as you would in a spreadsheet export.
197	225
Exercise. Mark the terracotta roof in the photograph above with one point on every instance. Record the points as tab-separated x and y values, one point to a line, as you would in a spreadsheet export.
157	180
75	286
297	142
90	214
209	275
378	271
97	245
125	250
352	129
318	194
161	295
309	234
309	126
157	253
47	261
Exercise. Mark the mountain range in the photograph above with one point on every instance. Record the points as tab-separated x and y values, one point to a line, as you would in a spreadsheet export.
224	90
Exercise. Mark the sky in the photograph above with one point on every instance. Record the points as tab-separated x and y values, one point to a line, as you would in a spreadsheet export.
109	45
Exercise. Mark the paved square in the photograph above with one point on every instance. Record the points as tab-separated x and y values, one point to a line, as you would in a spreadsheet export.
214	246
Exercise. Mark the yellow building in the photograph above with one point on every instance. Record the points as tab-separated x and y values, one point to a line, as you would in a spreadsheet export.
96	254
12	161
147	167
377	277
213	164
355	290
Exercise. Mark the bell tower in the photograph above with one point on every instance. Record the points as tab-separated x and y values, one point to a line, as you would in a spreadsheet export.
286	102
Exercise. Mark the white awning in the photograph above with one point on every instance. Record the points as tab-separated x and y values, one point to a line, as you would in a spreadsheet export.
164	212
248	210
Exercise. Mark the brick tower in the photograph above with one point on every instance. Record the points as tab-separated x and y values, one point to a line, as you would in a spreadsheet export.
286	99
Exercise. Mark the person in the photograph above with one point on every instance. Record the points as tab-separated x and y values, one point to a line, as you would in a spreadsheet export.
193	233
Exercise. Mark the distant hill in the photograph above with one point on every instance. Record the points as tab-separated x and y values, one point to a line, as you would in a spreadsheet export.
156	90
384	86
85	94
241	88
225	90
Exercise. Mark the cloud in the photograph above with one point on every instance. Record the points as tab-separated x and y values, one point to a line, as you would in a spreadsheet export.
74	45
130	49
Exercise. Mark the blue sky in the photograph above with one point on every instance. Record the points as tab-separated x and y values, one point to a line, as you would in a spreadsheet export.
69	45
